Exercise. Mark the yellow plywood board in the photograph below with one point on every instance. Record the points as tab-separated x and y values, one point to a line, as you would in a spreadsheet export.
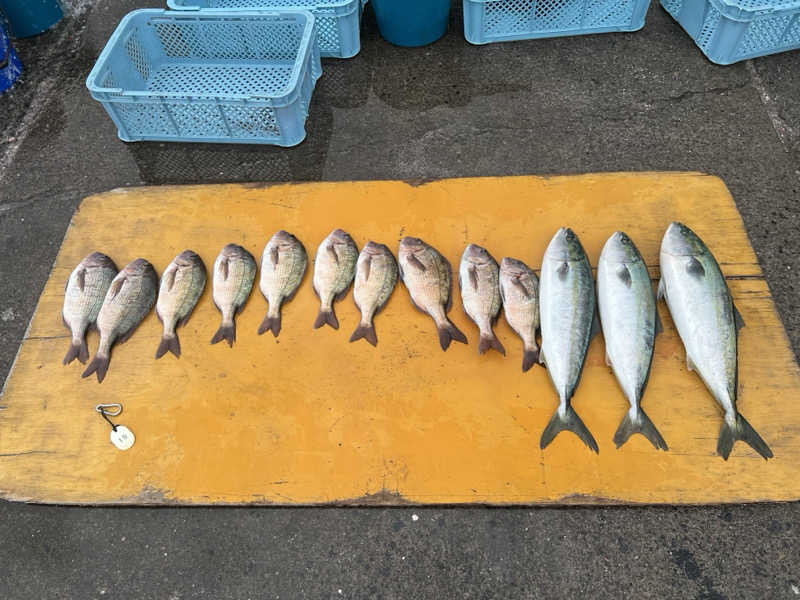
312	419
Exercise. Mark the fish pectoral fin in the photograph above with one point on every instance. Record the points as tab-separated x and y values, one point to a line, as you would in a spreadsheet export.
82	279
224	269
169	278
522	288
473	277
366	268
331	249
562	270
274	256
659	325
117	286
662	290
695	268
125	336
416	263
737	318
624	274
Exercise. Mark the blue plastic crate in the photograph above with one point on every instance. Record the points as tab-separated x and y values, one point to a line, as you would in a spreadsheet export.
728	31
338	21
506	20
209	77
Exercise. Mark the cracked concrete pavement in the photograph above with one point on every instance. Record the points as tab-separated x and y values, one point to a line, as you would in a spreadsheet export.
641	101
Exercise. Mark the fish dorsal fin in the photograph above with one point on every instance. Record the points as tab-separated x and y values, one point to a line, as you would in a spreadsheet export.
367	268
662	290
82	279
224	269
690	363
695	268
473	277
659	326
624	274
562	270
522	288
117	286
331	249
274	255
737	318
595	326
169	278
416	263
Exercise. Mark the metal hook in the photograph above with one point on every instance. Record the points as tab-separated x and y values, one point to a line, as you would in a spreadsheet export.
103	409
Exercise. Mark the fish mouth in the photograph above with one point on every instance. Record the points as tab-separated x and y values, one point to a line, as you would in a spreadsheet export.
679	240
620	249
565	246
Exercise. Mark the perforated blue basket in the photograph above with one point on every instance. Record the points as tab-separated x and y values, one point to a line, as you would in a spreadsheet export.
209	77
338	21
728	31
506	20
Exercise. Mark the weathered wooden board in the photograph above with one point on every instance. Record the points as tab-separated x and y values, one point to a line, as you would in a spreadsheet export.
311	419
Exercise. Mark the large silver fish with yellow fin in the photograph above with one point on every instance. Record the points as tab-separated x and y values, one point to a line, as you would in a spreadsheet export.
707	321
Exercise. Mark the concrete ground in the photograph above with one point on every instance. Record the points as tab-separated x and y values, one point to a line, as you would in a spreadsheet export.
643	101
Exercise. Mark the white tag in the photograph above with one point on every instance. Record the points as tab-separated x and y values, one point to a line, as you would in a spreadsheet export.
122	437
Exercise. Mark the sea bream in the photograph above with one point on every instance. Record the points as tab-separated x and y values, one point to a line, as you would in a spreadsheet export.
334	269
708	323
83	296
130	297
428	277
234	273
519	291
478	280
630	322
283	265
182	284
376	277
569	322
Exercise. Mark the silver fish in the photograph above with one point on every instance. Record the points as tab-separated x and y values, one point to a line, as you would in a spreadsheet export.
129	298
519	290
234	273
707	321
428	276
283	265
630	323
334	269
182	284
83	296
568	324
376	276
478	280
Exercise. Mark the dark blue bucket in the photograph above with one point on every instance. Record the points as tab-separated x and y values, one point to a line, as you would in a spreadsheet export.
412	22
10	67
31	17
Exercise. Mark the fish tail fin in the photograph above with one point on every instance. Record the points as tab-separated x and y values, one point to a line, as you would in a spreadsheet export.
489	341
740	430
365	331
271	323
77	349
448	333
639	423
98	365
169	343
227	332
529	358
569	421
326	316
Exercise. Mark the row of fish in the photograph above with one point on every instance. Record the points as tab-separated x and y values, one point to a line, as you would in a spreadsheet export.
563	306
